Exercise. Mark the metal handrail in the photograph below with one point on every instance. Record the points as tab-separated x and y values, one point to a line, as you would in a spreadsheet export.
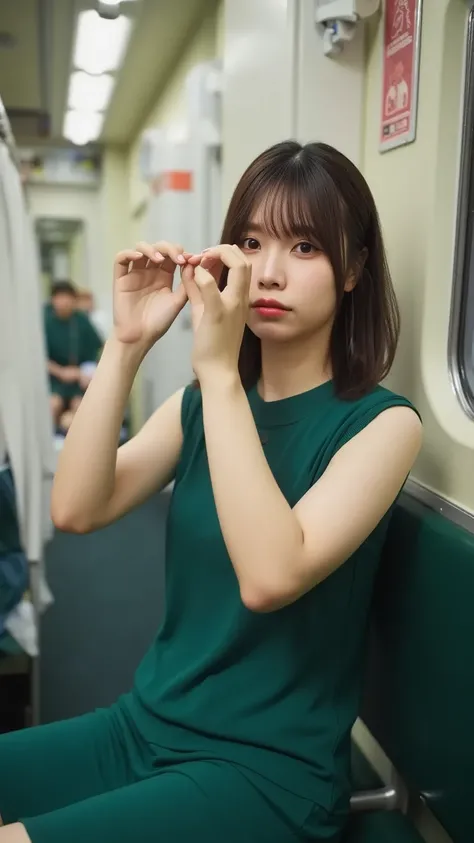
391	797
381	799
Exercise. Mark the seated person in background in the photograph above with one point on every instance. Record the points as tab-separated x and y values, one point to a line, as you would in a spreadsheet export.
71	342
101	320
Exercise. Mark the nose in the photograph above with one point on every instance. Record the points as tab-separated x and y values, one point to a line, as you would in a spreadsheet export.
271	273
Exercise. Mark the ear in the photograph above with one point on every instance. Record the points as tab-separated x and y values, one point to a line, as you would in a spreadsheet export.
351	282
355	274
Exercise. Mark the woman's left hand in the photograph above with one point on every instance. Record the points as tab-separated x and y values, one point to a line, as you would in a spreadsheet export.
219	318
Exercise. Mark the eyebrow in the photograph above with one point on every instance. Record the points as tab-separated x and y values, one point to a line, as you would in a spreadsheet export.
254	226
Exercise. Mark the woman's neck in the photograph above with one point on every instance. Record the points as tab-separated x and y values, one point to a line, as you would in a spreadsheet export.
289	369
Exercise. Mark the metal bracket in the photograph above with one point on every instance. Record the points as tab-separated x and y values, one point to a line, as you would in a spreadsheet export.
392	797
383	799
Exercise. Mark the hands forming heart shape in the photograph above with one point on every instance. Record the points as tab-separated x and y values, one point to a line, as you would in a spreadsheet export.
146	305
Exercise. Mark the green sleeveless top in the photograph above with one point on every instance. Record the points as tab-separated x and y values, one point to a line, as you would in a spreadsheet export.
277	693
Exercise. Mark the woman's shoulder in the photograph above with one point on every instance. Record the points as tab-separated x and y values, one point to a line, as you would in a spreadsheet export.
354	416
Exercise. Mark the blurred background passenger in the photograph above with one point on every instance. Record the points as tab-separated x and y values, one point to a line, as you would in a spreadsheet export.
72	344
99	317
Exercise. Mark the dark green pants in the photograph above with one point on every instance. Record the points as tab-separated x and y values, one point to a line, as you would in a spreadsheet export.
94	779
67	391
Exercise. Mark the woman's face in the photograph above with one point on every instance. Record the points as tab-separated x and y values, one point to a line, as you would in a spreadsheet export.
296	275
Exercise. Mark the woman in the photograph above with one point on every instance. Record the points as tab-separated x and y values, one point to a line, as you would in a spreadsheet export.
287	459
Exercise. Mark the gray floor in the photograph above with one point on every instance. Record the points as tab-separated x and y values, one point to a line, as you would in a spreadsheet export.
108	589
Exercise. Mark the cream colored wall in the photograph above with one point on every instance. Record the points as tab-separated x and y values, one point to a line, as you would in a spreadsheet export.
415	190
77	258
104	213
115	221
45	284
170	106
114	201
74	203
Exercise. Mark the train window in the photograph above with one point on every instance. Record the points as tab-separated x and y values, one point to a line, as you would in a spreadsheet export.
462	312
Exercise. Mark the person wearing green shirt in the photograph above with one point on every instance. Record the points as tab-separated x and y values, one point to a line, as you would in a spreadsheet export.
287	457
71	341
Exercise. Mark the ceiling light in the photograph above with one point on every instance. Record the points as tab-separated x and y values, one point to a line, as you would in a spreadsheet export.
81	127
100	44
110	9
89	93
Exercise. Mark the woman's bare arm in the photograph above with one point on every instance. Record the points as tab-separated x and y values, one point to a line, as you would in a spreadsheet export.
279	552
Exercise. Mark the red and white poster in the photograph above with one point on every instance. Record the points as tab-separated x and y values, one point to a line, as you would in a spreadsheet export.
401	59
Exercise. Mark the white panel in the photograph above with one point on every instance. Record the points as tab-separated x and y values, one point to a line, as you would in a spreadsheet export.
330	90
169	217
189	217
259	76
279	84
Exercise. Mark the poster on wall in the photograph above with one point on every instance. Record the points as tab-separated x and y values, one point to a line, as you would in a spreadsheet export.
401	60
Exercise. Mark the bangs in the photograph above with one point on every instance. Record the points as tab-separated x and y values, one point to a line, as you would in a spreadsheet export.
295	206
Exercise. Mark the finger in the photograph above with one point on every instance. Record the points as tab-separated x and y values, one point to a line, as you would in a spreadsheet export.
180	296
151	252
227	254
194	260
189	283
238	280
209	291
124	259
145	262
159	257
174	251
213	265
238	251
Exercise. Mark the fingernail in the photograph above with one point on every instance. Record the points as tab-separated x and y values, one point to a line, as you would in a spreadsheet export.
206	250
159	256
181	259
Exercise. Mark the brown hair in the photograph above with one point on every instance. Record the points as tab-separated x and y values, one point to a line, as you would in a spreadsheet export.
314	191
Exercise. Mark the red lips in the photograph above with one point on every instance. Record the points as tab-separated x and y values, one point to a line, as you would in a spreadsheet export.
270	303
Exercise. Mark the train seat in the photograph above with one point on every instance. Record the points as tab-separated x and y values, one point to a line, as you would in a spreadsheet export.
419	683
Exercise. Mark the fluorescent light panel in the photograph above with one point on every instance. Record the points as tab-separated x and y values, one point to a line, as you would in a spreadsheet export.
100	43
89	93
81	127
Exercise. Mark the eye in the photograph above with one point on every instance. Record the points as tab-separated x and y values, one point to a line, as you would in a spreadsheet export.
306	248
250	243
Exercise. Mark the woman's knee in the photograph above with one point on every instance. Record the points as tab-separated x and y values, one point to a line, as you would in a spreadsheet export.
15	833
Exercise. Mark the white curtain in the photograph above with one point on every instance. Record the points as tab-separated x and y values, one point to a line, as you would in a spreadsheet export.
25	418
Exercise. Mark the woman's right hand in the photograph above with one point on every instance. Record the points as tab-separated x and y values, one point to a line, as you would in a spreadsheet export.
145	304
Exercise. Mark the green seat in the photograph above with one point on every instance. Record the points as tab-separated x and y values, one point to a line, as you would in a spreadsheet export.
381	827
419	690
